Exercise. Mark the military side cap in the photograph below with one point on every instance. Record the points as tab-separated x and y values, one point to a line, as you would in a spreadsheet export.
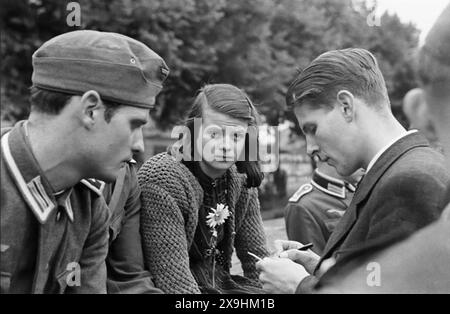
119	68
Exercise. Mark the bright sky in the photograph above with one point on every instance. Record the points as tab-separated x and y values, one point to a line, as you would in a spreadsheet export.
423	13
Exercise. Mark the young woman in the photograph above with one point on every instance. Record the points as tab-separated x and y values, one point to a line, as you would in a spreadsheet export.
200	200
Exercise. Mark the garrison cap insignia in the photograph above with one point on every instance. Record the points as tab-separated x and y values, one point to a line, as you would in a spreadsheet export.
304	189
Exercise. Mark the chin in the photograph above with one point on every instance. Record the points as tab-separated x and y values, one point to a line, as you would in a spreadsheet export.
343	172
108	176
221	165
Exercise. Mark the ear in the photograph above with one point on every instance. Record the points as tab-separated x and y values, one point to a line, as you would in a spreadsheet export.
346	104
91	108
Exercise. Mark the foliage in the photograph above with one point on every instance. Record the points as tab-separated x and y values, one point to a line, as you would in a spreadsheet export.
257	45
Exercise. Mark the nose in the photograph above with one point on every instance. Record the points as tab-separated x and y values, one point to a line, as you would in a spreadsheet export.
226	145
311	146
138	142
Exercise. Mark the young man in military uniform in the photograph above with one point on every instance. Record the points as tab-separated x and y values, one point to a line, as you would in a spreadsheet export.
316	207
90	98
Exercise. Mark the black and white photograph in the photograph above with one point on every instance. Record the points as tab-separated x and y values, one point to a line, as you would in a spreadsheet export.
225	152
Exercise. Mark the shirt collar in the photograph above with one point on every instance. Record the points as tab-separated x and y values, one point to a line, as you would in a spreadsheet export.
382	150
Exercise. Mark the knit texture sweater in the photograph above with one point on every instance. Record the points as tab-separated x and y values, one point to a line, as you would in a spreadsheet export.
171	198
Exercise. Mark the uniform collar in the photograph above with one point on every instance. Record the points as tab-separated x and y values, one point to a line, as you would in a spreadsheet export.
29	177
331	185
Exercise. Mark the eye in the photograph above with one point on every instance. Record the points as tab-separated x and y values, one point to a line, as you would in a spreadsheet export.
310	129
238	136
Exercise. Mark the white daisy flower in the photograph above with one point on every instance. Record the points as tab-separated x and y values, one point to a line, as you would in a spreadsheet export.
217	216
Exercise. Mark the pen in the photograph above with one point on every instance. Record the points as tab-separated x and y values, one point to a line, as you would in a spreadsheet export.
255	256
305	247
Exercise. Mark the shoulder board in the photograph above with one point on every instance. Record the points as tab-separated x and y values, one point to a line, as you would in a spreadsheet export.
303	190
95	185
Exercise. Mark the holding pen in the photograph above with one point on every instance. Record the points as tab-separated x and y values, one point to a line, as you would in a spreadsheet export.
306	247
302	248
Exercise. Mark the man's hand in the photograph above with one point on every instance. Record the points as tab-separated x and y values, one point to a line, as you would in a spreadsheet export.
288	249
284	245
308	259
280	275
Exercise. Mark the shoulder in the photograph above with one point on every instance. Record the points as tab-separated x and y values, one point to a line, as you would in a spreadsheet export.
161	166
416	169
305	189
5	130
167	173
420	160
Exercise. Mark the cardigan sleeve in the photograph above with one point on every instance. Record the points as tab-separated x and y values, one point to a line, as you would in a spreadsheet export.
250	236
165	242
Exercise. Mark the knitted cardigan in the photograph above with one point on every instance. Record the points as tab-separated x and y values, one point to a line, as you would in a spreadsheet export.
171	198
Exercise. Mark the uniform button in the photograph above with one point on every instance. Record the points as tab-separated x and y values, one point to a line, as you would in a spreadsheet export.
58	216
46	266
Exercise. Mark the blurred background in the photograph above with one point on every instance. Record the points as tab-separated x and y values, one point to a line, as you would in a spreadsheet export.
258	45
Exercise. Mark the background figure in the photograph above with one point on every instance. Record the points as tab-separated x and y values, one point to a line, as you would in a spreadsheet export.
188	235
316	207
416	110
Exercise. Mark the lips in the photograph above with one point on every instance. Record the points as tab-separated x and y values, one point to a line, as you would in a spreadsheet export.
224	158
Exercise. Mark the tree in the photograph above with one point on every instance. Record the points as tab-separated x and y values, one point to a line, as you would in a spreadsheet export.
258	45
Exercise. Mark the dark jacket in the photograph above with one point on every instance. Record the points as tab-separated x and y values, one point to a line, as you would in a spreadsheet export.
401	194
49	243
125	261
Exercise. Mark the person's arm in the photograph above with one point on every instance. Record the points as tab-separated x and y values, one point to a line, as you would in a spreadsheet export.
92	261
125	261
164	238
251	237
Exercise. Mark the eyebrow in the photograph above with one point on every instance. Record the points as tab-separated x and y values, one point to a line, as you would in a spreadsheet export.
139	121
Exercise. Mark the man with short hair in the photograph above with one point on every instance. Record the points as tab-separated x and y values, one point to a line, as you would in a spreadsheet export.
90	98
343	108
419	264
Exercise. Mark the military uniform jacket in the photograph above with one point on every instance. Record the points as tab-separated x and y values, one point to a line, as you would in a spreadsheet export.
49	243
402	193
125	261
306	214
